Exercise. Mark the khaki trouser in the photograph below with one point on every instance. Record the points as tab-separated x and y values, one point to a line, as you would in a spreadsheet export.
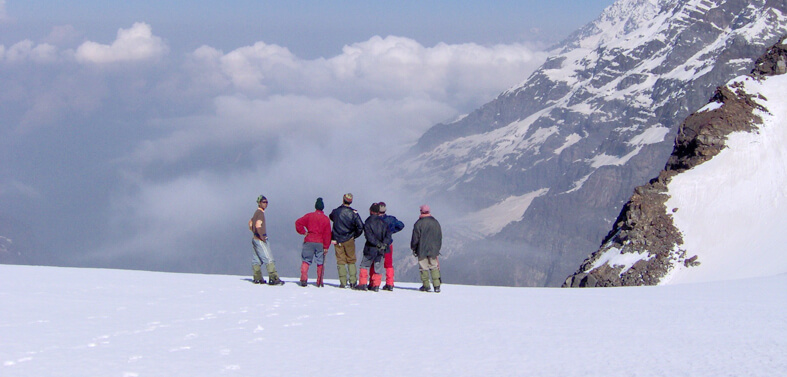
430	270
345	261
428	263
345	252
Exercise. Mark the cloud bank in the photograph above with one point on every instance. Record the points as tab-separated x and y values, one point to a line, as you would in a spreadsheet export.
160	155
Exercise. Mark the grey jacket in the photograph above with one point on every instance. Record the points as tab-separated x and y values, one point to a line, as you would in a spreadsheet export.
427	237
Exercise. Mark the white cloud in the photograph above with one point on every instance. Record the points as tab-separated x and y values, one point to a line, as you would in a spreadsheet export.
463	75
133	44
390	89
27	50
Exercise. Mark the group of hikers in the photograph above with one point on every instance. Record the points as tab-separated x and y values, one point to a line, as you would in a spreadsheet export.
378	229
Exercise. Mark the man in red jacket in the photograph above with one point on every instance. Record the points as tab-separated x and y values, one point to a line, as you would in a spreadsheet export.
317	229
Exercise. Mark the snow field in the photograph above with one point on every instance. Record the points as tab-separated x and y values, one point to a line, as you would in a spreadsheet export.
92	322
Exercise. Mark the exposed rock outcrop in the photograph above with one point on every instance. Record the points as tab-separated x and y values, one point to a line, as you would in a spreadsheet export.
644	235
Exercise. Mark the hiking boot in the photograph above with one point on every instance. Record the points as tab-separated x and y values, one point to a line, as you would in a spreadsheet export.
259	281
425	289
303	283
320	285
375	288
275	281
436	289
353	285
361	287
342	285
388	288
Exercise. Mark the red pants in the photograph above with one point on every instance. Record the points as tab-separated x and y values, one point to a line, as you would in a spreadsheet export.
388	264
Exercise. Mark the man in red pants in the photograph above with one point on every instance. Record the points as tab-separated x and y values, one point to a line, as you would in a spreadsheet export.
394	225
317	228
378	237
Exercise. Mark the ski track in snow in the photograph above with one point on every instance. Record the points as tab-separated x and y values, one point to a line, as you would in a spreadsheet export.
93	322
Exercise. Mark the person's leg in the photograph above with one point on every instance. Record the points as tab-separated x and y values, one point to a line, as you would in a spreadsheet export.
351	259
319	260
363	281
306	259
270	264
256	262
341	263
423	266
320	273
389	270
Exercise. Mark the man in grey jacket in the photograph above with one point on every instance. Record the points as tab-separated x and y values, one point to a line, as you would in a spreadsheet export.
426	243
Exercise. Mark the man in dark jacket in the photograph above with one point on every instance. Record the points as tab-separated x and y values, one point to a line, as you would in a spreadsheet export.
394	225
426	243
378	237
347	226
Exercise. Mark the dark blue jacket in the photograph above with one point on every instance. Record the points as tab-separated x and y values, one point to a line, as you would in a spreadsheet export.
394	225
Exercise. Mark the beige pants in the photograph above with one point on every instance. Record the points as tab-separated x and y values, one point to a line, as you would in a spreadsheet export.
345	252
428	263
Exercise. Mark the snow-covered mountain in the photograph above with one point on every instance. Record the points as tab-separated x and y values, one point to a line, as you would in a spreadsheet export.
92	322
717	209
539	175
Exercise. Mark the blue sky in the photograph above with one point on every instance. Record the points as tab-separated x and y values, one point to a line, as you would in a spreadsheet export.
136	134
308	28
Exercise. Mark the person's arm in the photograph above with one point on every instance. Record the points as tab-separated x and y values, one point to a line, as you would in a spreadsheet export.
415	240
359	226
257	227
300	226
326	236
397	225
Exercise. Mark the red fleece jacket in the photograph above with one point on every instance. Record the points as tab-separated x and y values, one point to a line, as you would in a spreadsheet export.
317	228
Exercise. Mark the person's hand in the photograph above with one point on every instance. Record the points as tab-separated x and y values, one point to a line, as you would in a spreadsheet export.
324	251
333	242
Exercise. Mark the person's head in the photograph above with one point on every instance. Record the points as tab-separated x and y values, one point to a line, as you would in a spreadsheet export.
374	209
425	209
382	208
319	205
347	198
262	201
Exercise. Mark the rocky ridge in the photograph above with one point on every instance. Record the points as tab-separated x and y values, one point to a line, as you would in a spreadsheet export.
644	245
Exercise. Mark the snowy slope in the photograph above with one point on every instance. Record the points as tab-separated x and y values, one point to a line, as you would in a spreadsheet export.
732	209
89	322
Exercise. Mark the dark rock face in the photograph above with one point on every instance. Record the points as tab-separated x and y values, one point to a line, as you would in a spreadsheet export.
644	226
595	121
